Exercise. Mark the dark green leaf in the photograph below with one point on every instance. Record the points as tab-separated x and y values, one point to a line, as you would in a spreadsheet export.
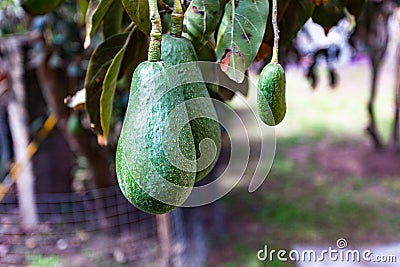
40	7
356	7
201	19
95	13
328	15
112	23
207	53
240	34
136	52
109	87
99	64
138	11
292	15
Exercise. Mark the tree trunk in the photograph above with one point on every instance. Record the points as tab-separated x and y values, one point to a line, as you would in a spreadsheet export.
52	148
372	129
394	142
54	83
372	32
18	121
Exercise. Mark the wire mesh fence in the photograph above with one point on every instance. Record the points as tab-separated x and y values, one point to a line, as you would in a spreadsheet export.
95	228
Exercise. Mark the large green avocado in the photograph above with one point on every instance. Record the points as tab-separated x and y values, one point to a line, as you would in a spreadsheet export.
175	51
271	99
150	173
40	7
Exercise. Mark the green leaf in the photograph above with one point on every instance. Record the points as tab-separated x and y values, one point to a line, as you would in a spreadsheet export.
296	15
109	87
328	14
207	53
112	23
95	13
136	53
99	64
83	7
240	34
356	7
201	19
292	15
40	7
138	11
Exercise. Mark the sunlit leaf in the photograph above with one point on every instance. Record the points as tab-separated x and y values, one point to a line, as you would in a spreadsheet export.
138	11
83	7
95	13
240	34
77	101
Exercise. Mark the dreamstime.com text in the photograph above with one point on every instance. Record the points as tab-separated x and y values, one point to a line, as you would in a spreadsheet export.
340	253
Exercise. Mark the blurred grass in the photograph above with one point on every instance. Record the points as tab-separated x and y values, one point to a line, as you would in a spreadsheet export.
37	260
337	113
340	112
299	204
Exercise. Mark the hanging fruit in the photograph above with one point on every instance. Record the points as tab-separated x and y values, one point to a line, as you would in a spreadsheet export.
176	50
148	174
271	102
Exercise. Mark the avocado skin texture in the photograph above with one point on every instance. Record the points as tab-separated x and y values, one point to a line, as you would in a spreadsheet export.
271	102
40	7
174	51
140	155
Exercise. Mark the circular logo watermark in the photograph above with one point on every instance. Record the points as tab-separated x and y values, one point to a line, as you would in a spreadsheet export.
341	243
241	126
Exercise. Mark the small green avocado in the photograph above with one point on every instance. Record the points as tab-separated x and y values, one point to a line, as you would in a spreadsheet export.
271	101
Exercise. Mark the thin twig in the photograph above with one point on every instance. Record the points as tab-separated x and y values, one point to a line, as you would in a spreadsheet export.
130	27
276	31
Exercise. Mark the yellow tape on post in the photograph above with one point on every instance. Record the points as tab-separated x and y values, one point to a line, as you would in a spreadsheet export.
31	150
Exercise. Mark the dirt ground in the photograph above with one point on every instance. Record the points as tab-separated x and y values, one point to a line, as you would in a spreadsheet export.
345	161
327	181
245	233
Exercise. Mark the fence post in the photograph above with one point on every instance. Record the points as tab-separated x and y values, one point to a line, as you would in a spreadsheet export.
164	237
13	52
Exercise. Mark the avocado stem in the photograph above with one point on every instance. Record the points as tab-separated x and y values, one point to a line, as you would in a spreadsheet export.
177	19
154	54
275	51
